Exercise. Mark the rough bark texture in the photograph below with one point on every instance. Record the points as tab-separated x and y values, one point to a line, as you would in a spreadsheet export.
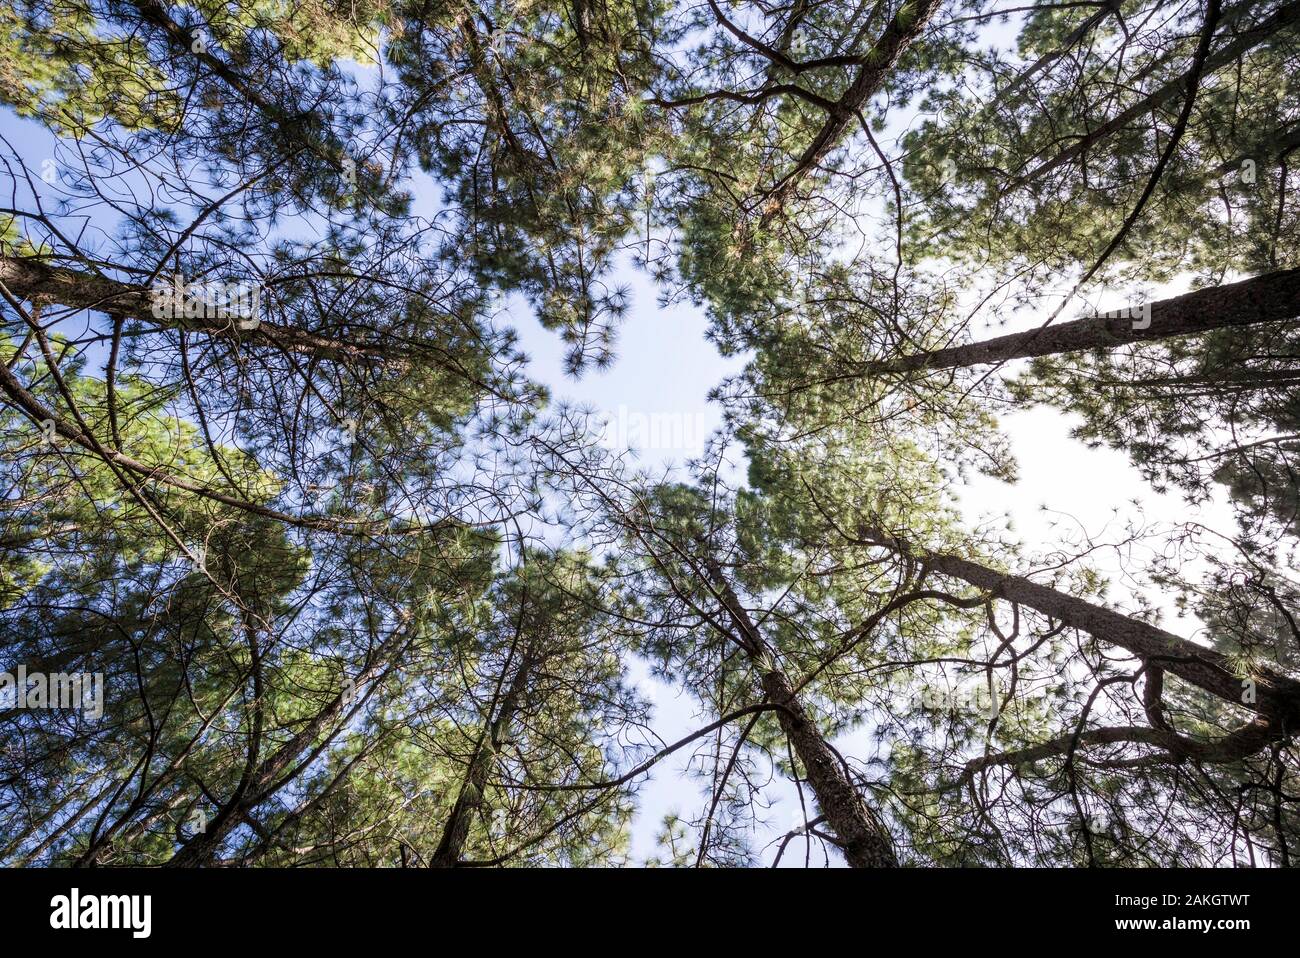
1272	297
863	839
877	65
38	282
468	804
1274	695
862	836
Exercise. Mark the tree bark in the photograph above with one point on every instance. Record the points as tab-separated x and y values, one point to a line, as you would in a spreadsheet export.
877	65
470	800
37	282
1272	297
863	838
1263	691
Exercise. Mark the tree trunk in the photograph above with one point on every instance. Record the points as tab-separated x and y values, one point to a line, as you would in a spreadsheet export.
66	825
863	838
306	746
468	803
1243	43
470	800
876	69
38	282
1264	299
1271	694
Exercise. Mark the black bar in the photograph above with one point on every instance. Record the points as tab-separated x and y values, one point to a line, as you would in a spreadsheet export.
530	908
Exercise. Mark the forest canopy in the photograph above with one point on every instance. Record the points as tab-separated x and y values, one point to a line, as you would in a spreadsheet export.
356	589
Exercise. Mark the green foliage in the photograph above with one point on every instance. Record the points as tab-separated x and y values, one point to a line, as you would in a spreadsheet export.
359	598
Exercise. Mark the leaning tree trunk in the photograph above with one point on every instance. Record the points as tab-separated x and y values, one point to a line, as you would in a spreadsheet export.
274	772
862	836
1264	299
1263	691
470	801
1282	19
38	282
876	69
